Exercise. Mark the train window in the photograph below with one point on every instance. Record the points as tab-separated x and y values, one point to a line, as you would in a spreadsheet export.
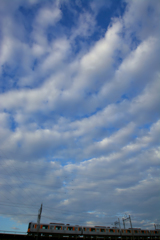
76	228
128	231
142	231
87	229
92	229
156	232
135	231
58	227
97	229
29	226
51	227
80	229
102	230
64	228
70	228
110	230
45	227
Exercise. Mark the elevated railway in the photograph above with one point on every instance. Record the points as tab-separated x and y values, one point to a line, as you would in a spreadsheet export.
7	236
67	231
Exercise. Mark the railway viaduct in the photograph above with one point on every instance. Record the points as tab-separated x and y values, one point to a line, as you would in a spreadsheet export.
6	236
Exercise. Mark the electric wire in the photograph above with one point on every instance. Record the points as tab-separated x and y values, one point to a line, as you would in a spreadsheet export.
17	175
64	212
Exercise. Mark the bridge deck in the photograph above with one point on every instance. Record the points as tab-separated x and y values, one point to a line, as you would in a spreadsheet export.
6	236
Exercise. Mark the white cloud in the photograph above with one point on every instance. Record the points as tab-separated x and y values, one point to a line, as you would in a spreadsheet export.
57	55
146	106
48	15
79	131
142	18
98	60
85	26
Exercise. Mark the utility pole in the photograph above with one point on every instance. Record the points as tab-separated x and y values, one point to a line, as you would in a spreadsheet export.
123	222
157	226
118	223
38	220
128	219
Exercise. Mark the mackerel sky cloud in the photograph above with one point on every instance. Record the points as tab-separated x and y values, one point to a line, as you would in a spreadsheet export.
79	112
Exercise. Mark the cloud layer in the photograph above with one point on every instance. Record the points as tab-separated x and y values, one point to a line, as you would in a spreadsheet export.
79	111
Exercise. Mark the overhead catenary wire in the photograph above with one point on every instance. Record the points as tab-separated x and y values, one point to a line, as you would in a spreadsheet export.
21	180
49	208
55	210
17	175
19	214
61	219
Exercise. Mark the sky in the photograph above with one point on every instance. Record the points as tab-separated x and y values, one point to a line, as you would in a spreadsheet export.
79	112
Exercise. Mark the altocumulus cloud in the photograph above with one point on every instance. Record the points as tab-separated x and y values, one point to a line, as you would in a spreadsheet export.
79	111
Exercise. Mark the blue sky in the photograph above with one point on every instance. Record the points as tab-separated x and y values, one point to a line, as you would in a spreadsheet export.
79	112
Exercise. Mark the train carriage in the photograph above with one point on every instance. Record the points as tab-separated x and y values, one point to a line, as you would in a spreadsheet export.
57	229
53	229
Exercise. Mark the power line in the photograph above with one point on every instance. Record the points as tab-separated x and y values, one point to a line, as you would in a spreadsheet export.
47	208
17	205
18	175
16	214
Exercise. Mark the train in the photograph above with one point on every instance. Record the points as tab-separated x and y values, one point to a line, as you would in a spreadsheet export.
60	229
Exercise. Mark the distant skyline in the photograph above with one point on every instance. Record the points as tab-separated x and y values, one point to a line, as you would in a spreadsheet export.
79	112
